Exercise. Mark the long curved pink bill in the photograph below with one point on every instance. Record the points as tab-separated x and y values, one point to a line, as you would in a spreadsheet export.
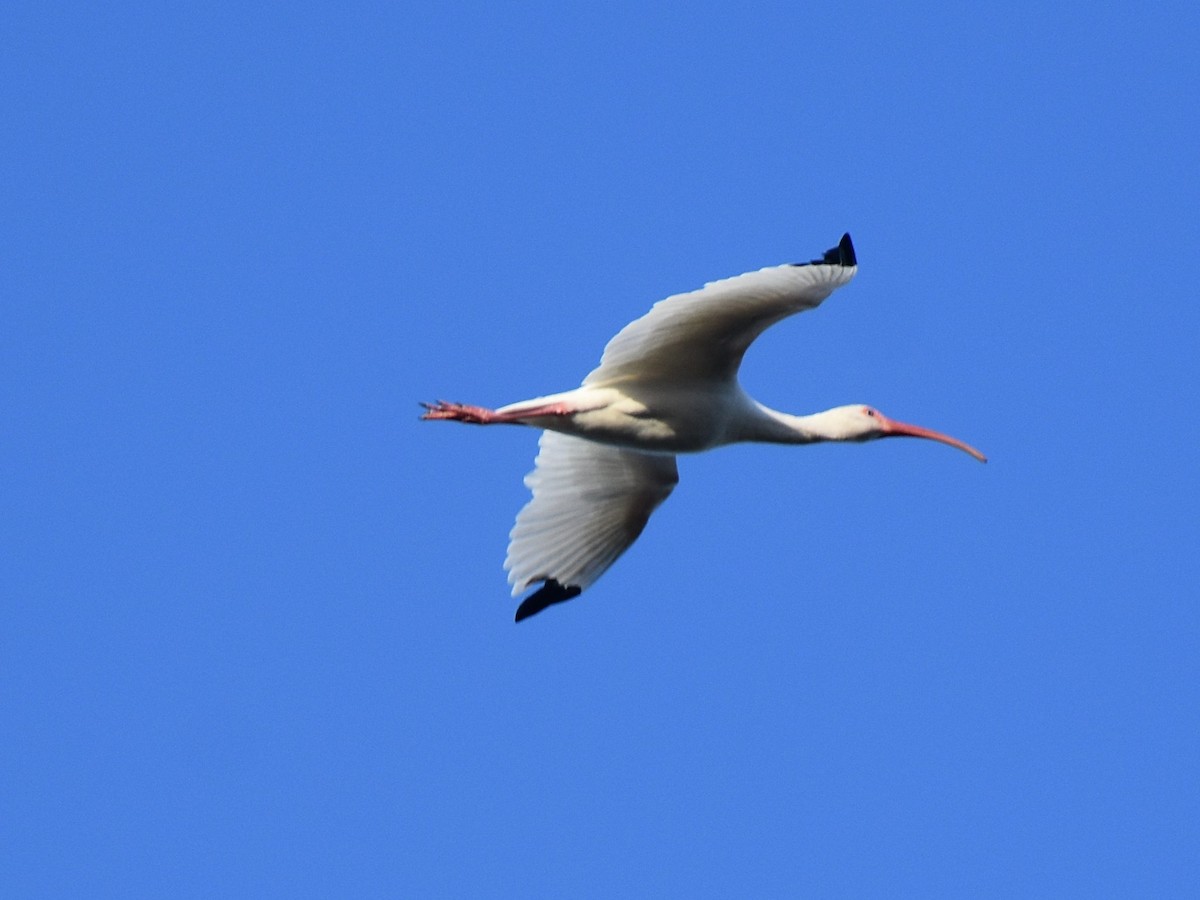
903	429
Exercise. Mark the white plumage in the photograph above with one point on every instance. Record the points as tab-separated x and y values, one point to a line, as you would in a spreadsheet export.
590	502
666	384
702	335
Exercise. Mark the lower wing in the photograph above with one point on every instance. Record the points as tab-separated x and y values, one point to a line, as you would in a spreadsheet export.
590	503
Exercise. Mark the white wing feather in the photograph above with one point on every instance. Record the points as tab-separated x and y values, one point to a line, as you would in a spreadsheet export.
704	334
590	502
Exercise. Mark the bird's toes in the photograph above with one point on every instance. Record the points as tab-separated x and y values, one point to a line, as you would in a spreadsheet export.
443	409
436	410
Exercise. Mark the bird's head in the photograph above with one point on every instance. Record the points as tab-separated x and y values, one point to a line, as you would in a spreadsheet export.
865	423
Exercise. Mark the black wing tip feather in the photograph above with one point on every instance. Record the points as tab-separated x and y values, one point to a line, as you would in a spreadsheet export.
841	255
551	592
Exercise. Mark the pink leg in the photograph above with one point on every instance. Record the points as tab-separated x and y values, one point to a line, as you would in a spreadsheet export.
459	412
478	415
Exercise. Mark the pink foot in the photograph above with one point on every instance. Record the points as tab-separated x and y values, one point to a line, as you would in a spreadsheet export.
460	412
478	415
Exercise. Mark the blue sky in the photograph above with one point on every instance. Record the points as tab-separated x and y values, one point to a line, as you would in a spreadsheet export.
257	640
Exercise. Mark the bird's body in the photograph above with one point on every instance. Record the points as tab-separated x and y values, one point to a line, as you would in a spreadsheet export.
667	384
653	418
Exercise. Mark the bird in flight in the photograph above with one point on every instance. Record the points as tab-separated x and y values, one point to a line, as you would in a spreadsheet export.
666	384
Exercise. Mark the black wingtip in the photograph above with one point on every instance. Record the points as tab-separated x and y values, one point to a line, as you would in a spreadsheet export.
842	254
551	592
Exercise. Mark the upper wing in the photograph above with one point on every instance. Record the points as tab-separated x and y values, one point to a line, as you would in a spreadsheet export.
703	334
590	502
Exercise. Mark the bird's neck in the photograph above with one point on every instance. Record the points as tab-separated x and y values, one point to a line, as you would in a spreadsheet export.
769	426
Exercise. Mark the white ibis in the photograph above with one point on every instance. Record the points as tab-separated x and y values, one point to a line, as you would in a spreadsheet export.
667	384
